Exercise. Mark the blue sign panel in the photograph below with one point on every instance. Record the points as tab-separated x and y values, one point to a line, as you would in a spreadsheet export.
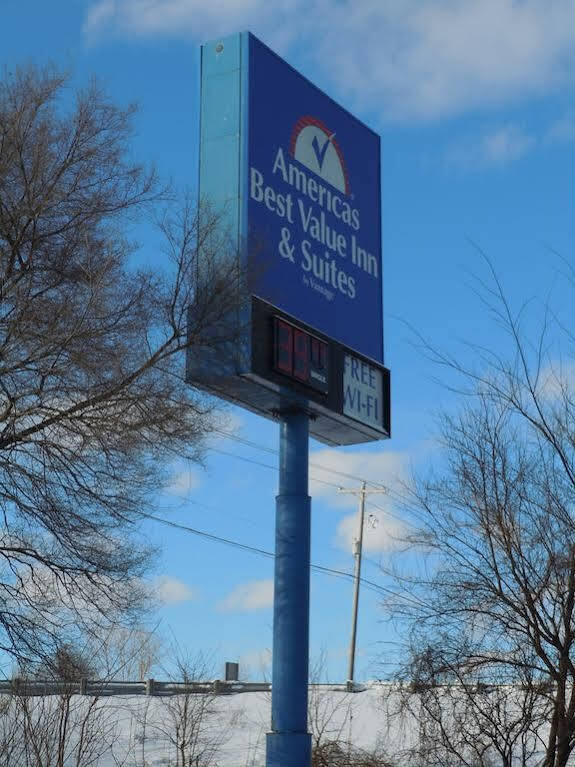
313	206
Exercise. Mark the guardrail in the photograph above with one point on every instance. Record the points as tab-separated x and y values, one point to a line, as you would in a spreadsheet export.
104	688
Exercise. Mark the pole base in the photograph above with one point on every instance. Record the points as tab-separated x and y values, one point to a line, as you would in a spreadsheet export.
288	749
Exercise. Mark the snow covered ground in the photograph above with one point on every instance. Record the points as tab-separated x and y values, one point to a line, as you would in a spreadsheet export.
237	724
223	731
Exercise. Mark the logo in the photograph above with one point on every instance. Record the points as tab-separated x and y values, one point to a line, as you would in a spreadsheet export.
316	147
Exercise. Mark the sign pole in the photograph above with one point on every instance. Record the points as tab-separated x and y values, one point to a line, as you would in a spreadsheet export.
289	743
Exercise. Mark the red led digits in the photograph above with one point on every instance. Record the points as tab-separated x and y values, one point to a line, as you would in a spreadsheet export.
301	355
322	364
315	352
284	347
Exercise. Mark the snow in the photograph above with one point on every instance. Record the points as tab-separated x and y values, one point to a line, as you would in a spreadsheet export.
242	722
224	731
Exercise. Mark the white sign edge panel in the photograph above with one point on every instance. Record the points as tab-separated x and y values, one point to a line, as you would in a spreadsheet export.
362	392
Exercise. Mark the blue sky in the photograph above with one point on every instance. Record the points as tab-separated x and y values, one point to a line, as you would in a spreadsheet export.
475	106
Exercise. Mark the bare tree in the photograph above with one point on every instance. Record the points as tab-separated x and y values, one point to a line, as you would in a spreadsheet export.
455	719
93	402
10	740
329	713
68	664
127	653
494	529
56	730
190	723
330	720
60	730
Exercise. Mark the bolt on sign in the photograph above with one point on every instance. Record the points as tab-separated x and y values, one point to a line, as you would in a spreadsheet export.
296	179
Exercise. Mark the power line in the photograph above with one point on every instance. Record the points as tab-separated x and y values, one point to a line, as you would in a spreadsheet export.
392	493
269	554
274	451
260	463
321	467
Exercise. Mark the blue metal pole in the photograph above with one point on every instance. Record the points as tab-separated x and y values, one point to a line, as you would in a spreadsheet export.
289	743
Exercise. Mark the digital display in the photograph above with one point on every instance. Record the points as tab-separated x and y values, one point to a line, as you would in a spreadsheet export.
300	356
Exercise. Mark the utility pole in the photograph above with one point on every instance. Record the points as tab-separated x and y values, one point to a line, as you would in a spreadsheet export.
357	552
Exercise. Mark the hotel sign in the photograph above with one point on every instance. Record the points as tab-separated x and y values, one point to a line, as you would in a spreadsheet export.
297	179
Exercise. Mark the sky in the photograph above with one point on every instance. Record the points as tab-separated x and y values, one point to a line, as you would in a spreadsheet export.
474	103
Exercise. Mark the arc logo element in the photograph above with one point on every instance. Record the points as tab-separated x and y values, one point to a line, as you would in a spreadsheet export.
315	146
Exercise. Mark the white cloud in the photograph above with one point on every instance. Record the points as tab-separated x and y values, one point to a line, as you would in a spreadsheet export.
493	148
381	532
383	468
182	482
99	16
256	664
414	59
562	129
505	145
61	600
172	591
145	18
185	476
253	595
429	59
557	380
229	424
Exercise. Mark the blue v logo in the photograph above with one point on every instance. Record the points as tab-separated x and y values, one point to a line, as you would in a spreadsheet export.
320	151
